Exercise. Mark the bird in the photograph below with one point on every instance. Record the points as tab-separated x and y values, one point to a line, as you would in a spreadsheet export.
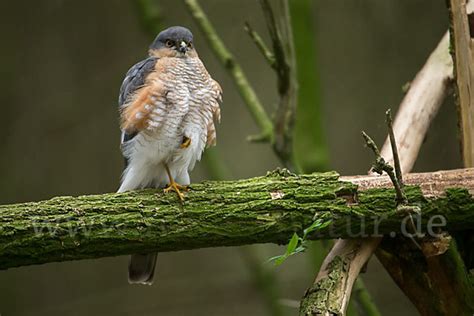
168	106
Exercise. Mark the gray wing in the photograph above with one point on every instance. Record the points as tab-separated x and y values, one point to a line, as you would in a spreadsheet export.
134	79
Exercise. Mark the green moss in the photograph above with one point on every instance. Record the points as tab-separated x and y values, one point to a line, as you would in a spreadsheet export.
225	213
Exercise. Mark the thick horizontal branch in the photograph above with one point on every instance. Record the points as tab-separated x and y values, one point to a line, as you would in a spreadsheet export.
265	209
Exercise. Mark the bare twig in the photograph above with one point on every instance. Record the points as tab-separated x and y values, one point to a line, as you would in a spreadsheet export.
393	145
279	50
396	177
380	166
227	59
281	35
270	58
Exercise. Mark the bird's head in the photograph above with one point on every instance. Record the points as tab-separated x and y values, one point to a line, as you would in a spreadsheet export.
175	41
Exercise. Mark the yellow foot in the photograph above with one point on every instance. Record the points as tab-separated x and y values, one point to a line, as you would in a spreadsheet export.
176	188
186	142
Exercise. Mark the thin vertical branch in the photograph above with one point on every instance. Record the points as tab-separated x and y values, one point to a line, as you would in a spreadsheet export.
393	144
310	144
364	300
261	45
281	35
380	166
463	50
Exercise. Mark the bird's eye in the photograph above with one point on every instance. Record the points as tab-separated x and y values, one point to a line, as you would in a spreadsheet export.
190	45
169	43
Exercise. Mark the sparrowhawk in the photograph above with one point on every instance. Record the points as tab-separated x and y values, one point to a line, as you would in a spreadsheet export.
168	105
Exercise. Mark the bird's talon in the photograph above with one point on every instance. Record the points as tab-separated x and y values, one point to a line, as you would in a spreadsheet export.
176	188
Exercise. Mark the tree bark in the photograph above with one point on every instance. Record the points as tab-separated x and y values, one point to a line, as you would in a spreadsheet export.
437	283
462	45
266	209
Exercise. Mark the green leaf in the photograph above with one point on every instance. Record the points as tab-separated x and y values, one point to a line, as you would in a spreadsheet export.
301	248
291	249
292	244
277	260
280	260
316	224
298	244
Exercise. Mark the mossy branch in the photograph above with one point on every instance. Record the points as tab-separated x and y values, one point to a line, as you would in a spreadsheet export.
265	209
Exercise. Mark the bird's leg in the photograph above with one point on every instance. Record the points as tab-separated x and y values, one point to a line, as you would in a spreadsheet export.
173	186
186	142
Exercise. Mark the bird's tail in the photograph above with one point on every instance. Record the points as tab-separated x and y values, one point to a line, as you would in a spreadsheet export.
141	268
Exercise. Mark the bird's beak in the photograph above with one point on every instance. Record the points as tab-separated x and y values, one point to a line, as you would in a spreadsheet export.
183	47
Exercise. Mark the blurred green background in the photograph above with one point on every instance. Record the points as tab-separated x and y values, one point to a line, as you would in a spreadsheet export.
62	63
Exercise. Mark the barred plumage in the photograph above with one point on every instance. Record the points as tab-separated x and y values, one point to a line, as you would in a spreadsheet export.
168	106
178	99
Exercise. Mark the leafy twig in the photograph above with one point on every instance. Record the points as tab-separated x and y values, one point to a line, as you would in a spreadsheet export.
299	244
